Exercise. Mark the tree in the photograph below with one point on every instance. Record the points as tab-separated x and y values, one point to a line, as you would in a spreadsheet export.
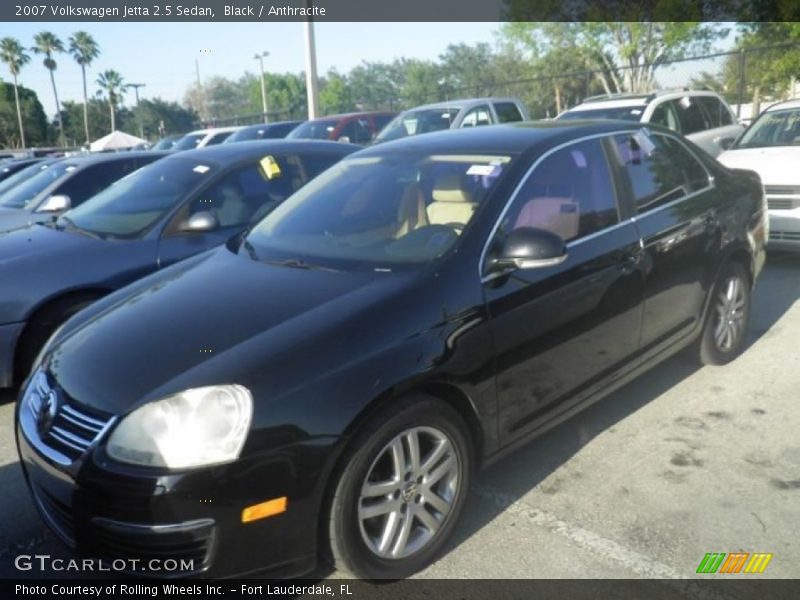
624	55
114	86
33	117
48	44
84	50
334	95
13	55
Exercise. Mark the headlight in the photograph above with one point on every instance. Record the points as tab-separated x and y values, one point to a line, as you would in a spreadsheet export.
195	428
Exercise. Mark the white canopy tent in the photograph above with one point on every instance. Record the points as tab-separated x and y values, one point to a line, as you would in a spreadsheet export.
116	140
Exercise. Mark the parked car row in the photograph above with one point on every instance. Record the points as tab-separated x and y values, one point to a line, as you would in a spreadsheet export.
254	356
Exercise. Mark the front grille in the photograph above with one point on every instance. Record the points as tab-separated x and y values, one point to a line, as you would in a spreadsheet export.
784	236
56	513
782	197
190	543
73	428
782	190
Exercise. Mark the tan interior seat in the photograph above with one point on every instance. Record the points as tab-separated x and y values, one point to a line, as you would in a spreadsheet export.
451	202
411	211
557	215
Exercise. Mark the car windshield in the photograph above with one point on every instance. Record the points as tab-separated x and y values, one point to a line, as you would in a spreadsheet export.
413	122
24	194
776	128
378	212
20	176
320	129
189	141
134	203
623	113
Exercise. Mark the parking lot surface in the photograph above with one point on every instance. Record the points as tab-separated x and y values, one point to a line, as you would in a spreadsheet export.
682	462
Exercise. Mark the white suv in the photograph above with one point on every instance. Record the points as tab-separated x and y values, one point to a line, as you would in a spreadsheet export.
703	117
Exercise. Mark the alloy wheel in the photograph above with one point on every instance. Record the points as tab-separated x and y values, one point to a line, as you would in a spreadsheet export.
731	314
408	492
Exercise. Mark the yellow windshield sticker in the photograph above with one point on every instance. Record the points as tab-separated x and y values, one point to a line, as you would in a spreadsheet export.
269	167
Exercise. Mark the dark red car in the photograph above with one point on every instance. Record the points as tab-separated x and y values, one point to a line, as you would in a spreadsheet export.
356	128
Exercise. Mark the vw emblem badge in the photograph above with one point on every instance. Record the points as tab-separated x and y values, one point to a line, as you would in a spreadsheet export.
47	411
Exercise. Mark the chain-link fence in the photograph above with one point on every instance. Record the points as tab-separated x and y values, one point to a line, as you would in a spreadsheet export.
747	79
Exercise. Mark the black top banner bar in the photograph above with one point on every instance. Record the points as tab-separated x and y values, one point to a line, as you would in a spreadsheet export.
139	11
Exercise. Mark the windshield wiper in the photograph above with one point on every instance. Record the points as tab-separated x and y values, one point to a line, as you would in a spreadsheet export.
298	263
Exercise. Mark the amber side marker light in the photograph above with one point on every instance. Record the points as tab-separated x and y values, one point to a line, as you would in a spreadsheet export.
265	509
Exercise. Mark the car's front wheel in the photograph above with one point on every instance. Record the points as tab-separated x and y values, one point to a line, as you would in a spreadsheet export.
723	336
400	490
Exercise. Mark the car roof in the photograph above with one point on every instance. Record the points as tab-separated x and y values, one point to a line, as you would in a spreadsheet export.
101	157
254	148
353	114
465	102
784	105
268	125
509	138
637	99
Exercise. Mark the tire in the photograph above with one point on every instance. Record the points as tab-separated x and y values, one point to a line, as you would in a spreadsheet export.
359	525
41	327
723	335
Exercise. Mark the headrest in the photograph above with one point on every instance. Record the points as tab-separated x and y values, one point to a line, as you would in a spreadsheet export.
447	188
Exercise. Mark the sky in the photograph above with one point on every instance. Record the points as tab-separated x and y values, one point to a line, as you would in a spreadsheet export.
162	55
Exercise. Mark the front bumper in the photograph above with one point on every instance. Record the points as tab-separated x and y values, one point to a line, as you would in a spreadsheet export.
9	334
127	516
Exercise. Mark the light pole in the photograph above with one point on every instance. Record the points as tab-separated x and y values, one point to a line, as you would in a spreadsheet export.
260	58
311	69
136	87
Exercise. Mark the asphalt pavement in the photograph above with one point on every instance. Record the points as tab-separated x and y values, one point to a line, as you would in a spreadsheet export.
679	463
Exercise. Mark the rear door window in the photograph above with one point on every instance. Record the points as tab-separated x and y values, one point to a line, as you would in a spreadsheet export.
716	112
657	171
690	115
507	112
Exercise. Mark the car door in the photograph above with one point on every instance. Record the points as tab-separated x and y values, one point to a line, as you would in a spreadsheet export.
674	200
234	200
560	329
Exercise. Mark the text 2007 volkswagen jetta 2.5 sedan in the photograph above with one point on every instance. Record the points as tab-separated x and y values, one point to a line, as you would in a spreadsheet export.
325	385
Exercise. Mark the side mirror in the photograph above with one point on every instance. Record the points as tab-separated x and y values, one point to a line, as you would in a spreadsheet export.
726	143
55	203
345	139
529	248
200	222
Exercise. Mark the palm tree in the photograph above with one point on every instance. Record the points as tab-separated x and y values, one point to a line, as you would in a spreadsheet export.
113	84
84	50
12	53
47	43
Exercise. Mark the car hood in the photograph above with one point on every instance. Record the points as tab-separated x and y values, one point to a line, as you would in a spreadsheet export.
218	319
36	243
42	262
775	165
13	218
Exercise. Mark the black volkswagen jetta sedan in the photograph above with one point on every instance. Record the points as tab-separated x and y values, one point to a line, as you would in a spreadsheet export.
325	385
